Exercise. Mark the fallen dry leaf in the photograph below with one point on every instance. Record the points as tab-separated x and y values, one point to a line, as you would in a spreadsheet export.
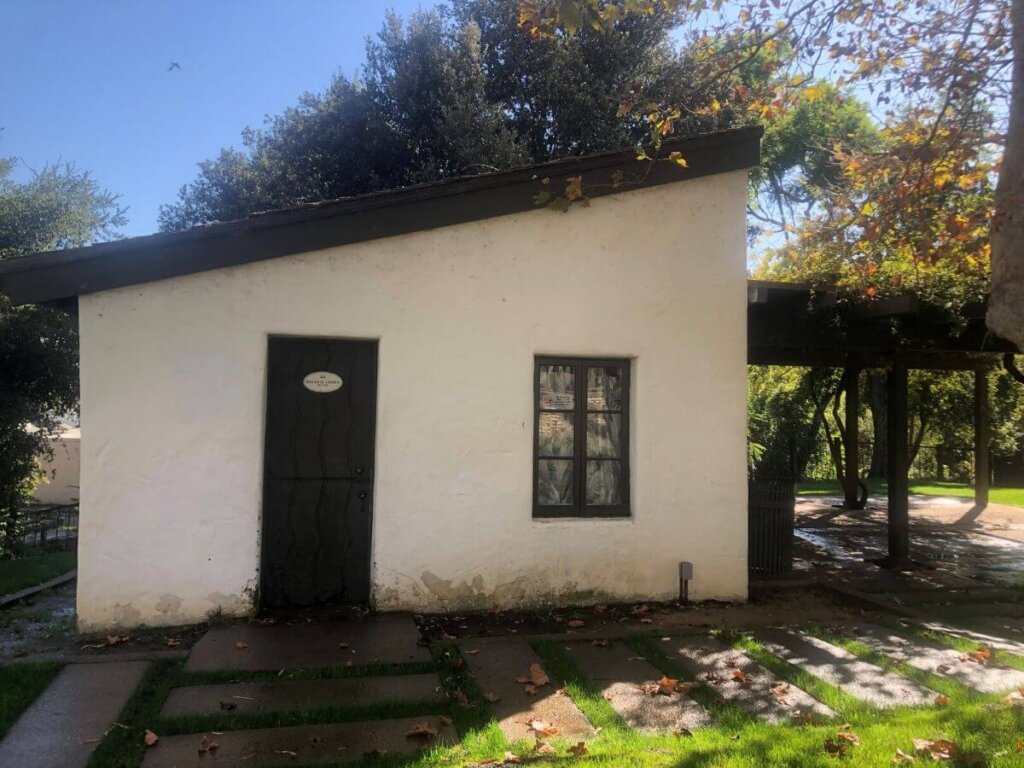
576	623
580	748
740	676
836	747
460	698
421	731
780	691
172	642
530	689
207	745
902	757
241	646
600	643
850	736
983	655
512	759
600	608
150	738
445	719
542	728
543	748
940	749
538	676
642	608
646	621
117	639
942	700
492	697
472	651
457	664
667	686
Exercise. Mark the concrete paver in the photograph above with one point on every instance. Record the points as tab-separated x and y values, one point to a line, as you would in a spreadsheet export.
496	665
625	679
383	639
66	723
842	669
985	636
298	745
283	695
743	682
939	660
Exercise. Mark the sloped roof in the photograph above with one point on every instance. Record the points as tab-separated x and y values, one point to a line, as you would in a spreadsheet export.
59	276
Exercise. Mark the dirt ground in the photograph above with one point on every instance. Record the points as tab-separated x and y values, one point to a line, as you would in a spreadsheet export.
775	606
947	512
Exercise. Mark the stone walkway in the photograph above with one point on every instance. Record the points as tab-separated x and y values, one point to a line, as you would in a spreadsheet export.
384	639
739	680
871	684
66	723
69	719
298	745
505	670
632	686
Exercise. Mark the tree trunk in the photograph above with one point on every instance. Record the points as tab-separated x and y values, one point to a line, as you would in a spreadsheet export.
879	455
1006	305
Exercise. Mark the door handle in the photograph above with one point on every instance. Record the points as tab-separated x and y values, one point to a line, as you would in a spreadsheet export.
363	494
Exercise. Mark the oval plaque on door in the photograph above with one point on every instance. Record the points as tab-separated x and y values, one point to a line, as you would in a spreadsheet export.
322	381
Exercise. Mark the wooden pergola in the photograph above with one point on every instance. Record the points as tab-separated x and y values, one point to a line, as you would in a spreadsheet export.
794	324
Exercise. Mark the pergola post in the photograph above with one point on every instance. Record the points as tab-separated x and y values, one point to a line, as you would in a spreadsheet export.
851	438
981	438
899	466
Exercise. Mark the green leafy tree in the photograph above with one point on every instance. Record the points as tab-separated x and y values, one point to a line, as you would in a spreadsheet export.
59	207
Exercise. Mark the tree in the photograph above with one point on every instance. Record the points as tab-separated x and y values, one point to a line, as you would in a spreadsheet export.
456	92
941	70
60	207
1006	306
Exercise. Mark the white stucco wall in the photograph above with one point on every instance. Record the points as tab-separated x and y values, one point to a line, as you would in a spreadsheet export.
170	527
60	470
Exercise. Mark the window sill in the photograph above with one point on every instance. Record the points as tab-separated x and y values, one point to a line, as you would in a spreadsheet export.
576	516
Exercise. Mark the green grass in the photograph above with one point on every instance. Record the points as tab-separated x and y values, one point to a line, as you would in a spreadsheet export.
1013	497
982	724
20	684
28	571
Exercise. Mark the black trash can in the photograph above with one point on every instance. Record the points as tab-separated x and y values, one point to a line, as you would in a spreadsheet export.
771	510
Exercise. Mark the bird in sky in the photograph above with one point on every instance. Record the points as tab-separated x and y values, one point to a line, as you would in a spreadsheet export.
174	65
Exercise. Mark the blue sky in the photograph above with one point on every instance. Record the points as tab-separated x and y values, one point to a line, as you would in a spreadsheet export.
87	81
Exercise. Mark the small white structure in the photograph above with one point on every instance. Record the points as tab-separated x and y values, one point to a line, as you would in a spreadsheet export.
438	398
60	467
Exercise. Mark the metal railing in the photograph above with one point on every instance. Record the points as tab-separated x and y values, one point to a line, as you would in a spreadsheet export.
39	527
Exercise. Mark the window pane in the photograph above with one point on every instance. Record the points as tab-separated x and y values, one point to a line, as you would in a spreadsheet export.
554	482
557	387
556	434
604	435
603	480
604	389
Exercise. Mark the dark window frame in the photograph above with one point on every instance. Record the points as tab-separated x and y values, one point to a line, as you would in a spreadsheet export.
579	508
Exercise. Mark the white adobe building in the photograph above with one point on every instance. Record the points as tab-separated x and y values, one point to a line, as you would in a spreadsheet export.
437	398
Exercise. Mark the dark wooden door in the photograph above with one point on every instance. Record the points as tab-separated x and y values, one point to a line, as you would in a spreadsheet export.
318	471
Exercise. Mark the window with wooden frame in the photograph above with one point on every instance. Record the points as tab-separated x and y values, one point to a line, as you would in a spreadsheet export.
581	437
